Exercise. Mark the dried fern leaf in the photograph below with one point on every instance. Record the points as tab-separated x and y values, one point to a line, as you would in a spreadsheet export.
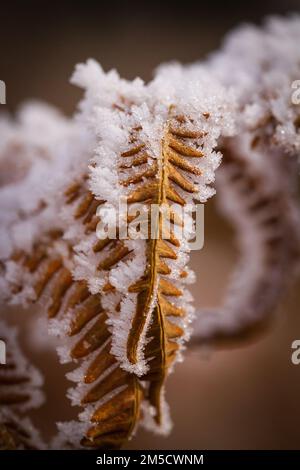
45	273
163	156
111	395
18	433
121	304
156	291
20	382
20	391
266	59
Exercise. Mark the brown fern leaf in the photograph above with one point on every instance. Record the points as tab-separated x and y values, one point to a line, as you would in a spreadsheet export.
152	180
20	391
20	382
114	420
17	434
120	302
111	393
167	184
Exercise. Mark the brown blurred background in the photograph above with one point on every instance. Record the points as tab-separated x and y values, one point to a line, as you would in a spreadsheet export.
244	398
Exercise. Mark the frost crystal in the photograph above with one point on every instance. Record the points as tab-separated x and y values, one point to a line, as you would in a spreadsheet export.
261	66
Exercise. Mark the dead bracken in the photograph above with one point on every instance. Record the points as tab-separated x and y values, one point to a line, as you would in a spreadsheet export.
121	307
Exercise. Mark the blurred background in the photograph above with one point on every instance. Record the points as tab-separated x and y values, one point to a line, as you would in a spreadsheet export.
244	398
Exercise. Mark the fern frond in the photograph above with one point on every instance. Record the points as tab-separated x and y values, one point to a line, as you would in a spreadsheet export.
111	395
120	305
18	433
20	391
20	382
156	289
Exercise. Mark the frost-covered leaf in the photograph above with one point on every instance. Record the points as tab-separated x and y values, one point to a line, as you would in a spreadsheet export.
120	305
20	391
